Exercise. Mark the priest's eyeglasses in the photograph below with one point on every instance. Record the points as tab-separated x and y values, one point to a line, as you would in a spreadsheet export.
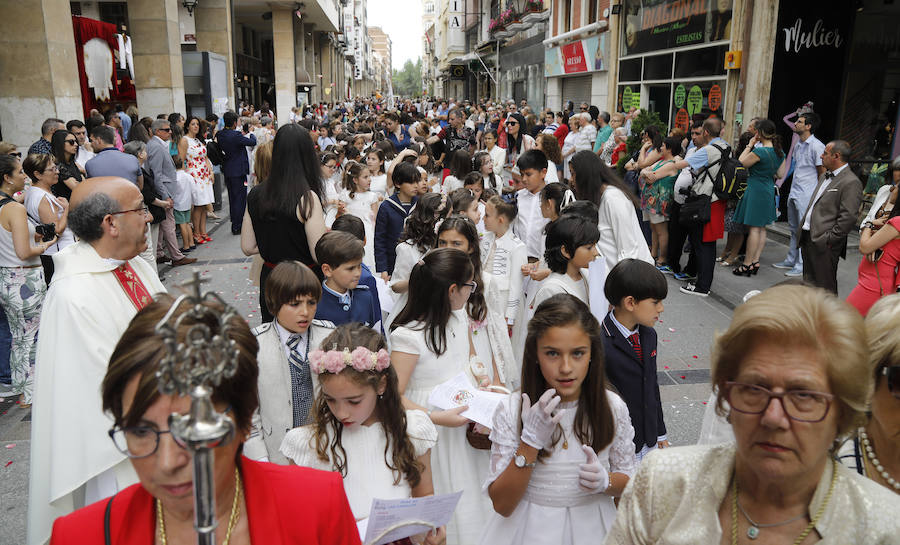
799	405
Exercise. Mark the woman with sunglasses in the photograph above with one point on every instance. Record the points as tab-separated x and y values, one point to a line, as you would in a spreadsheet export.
65	149
874	449
793	367
44	208
255	502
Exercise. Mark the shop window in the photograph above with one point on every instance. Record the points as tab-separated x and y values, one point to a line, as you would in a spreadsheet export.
658	67
658	100
628	96
630	70
701	99
709	61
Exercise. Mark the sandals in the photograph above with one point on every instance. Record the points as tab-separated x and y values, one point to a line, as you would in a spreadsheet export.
747	270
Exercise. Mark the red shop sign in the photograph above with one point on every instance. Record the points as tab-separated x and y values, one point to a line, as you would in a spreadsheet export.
573	58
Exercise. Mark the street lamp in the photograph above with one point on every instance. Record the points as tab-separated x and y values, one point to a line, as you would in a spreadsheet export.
189	5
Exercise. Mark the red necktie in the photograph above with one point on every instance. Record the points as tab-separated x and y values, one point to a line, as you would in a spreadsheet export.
134	288
636	344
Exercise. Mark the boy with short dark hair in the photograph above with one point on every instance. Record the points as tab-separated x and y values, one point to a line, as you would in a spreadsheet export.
349	223
529	225
392	213
636	290
285	379
343	300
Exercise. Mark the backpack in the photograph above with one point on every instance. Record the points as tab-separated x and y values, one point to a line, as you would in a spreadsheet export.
215	153
731	180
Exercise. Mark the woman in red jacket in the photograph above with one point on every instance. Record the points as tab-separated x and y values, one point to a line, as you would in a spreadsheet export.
255	502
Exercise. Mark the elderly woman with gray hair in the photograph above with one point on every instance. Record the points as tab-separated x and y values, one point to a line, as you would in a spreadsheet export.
793	368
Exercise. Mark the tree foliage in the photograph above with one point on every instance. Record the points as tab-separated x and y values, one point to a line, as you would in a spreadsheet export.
408	81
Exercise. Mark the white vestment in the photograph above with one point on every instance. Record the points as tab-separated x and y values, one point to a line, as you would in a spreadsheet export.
84	314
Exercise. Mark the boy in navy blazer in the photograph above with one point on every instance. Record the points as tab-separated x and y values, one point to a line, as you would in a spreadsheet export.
392	214
236	168
344	300
636	290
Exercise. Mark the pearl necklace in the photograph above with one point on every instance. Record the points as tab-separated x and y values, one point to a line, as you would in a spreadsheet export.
869	453
232	520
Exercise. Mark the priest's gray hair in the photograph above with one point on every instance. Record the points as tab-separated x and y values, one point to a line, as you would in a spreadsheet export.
86	218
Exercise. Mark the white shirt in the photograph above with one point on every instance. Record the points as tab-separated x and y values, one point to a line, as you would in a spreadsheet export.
825	183
529	222
83	156
284	336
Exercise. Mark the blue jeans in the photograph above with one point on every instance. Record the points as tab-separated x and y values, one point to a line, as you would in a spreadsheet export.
5	348
795	210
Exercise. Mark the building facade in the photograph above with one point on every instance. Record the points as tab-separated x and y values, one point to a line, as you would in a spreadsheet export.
188	56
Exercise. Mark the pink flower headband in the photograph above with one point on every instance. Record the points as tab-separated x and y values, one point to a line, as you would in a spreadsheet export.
361	359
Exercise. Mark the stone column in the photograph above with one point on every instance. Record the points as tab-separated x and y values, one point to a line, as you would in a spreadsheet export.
757	59
212	19
285	75
157	56
39	77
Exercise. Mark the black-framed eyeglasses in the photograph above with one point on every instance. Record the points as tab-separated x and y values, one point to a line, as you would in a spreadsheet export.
73	142
473	285
799	405
892	372
142	210
138	441
141	441
511	123
16	154
168	129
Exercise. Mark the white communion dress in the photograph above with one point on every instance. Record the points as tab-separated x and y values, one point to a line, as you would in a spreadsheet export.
556	509
455	465
368	475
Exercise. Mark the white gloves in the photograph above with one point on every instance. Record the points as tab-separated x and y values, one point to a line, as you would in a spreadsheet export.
591	474
538	420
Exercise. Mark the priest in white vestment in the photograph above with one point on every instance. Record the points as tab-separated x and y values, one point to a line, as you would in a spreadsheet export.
99	285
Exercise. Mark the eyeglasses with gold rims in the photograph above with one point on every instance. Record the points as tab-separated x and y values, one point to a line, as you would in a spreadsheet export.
799	405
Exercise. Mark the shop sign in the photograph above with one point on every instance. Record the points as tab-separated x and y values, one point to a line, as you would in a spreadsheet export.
810	61
679	96
630	99
652	25
577	57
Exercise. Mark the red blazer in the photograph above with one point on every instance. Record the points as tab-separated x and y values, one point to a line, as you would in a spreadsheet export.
286	504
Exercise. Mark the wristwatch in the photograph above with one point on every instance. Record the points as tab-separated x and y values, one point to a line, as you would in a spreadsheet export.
520	461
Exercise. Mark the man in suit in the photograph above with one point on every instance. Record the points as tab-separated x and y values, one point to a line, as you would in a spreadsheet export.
830	216
236	168
160	164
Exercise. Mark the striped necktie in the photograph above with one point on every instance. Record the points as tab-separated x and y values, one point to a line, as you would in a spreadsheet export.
301	380
636	345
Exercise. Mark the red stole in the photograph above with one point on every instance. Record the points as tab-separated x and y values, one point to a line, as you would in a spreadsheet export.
132	285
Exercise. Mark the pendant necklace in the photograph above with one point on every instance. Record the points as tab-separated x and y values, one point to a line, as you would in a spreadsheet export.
753	530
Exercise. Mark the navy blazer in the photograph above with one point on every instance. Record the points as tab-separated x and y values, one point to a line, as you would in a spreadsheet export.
388	227
361	309
234	146
635	380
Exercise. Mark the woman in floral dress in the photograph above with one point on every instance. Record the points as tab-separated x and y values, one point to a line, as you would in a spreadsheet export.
199	167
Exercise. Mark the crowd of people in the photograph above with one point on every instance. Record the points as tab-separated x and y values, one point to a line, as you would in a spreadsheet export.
397	248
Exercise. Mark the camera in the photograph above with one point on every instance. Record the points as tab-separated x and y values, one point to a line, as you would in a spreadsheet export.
46	230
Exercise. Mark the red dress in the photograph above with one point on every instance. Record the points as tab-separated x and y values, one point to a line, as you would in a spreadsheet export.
285	504
877	279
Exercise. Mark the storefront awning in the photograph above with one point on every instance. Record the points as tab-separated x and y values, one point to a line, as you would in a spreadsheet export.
471	56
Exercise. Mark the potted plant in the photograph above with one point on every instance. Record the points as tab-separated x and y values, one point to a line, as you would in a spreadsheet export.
535	11
496	26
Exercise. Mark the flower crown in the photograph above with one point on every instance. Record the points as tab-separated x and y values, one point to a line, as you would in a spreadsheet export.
361	359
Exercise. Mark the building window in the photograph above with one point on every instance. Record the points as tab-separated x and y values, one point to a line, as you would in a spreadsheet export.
592	11
114	12
75	7
567	15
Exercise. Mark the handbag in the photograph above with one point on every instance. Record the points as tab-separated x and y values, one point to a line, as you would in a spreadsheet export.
696	210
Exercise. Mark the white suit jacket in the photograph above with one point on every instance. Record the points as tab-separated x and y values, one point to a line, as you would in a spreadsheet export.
275	416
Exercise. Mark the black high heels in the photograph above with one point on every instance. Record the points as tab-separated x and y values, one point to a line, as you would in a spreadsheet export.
746	270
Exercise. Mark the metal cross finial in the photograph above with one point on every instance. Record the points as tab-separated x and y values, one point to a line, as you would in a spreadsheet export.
195	366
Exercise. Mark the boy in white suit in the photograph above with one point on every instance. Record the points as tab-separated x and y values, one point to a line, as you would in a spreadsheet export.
286	385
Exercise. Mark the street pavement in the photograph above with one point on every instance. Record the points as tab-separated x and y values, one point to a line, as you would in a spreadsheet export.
686	331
